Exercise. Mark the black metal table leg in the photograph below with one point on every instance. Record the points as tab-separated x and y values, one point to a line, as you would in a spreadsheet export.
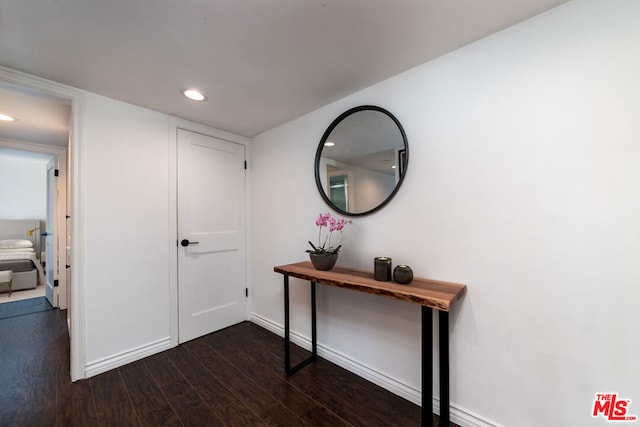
314	335
427	366
443	324
287	330
287	343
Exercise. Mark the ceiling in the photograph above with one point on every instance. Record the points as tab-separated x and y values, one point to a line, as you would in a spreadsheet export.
260	63
24	156
40	118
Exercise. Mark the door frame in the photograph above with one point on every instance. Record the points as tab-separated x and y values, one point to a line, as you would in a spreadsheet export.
73	173
59	159
174	125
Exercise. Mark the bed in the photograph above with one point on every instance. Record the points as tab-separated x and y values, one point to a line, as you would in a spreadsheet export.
20	252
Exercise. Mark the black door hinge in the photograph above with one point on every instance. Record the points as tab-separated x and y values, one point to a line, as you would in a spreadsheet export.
245	164
56	172
55	283
246	292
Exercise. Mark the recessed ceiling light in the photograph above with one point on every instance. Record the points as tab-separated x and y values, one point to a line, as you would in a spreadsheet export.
329	144
194	95
393	167
6	118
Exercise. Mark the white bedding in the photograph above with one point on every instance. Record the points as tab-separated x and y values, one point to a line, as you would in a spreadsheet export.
16	244
12	251
12	256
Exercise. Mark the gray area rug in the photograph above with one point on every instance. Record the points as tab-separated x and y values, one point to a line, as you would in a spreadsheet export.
27	306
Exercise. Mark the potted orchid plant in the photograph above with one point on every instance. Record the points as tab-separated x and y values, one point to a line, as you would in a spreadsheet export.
323	255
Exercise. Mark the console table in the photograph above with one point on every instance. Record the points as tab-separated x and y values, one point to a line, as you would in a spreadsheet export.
429	294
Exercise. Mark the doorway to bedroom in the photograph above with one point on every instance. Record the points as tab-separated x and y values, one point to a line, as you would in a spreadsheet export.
30	261
38	135
33	190
23	223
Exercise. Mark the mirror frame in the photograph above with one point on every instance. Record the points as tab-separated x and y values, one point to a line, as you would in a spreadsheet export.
324	138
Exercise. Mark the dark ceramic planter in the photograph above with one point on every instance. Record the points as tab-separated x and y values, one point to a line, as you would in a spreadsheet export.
323	262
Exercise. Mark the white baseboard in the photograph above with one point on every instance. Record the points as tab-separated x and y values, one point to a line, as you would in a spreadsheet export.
107	363
459	416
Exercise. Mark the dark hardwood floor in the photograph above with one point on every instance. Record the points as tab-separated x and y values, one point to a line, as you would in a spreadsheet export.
234	377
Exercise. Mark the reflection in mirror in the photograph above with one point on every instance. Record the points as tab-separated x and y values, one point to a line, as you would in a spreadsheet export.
361	160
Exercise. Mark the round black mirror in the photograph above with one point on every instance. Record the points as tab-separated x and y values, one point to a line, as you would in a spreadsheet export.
361	161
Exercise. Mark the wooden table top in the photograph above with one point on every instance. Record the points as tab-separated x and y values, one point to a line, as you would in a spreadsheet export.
426	292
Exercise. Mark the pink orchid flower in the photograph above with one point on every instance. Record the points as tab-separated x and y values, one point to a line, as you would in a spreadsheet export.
333	224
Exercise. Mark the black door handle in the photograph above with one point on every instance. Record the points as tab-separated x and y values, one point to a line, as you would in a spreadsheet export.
186	242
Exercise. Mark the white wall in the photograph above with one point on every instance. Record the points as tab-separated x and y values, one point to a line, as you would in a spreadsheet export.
127	240
23	188
522	183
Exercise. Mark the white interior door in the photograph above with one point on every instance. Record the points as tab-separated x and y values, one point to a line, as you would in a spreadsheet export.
50	236
211	234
